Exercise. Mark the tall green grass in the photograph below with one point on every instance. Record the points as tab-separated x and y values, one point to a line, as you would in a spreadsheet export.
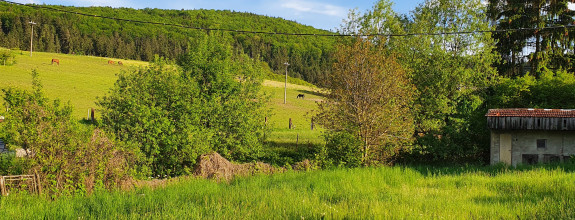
363	193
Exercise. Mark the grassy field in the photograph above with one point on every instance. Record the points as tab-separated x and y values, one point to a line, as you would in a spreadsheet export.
81	79
299	110
364	193
78	79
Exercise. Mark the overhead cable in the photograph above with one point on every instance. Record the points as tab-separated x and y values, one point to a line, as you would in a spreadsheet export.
294	34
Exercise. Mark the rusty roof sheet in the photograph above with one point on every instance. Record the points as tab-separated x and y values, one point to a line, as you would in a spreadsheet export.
531	112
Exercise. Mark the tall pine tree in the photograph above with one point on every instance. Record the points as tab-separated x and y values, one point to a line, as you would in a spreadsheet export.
537	47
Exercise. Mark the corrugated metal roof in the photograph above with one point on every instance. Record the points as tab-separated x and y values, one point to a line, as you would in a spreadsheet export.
531	112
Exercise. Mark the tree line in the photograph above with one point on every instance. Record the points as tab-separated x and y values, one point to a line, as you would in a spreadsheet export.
309	57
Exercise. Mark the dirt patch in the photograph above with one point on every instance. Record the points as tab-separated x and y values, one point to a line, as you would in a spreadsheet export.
214	166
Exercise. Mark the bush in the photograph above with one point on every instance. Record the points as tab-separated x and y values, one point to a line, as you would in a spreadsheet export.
10	165
341	149
7	58
212	102
68	157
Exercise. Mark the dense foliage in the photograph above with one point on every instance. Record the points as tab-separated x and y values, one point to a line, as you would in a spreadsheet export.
309	57
455	74
211	103
7	58
67	157
551	90
450	73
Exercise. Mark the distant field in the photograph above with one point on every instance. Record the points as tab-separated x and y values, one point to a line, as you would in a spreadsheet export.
299	110
80	79
363	193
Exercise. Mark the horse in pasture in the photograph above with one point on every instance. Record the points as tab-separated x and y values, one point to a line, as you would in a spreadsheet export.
120	63
110	62
57	61
300	96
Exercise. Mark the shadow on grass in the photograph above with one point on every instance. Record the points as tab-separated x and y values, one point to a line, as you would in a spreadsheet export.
312	93
88	122
282	153
492	170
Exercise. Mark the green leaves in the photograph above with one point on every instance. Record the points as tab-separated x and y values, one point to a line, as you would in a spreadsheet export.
67	156
211	102
532	50
450	72
551	90
369	98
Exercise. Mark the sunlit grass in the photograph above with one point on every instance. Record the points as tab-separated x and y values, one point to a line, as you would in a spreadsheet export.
78	79
81	79
380	193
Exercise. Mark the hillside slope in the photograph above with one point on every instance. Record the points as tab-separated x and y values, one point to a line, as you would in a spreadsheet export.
79	80
59	32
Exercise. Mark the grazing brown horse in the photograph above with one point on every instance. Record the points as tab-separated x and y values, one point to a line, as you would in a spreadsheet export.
57	61
110	62
120	63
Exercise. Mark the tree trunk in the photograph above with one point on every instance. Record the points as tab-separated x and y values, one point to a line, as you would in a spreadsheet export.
365	152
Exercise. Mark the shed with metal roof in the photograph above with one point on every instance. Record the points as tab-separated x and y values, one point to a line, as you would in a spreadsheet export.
528	135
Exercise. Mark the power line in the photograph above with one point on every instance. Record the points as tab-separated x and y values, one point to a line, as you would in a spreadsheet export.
293	34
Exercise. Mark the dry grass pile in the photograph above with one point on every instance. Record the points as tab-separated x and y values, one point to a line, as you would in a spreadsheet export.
214	166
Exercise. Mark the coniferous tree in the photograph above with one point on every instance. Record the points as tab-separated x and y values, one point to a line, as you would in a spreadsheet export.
538	47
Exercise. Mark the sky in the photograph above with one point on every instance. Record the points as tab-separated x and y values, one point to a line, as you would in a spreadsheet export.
322	14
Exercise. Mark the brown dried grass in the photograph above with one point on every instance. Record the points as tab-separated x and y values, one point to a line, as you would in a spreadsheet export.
214	166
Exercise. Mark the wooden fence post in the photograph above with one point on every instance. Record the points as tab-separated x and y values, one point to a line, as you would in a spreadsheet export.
38	185
2	186
92	114
297	140
290	123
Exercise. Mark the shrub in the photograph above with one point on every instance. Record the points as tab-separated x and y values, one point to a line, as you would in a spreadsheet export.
68	157
341	149
212	103
7	58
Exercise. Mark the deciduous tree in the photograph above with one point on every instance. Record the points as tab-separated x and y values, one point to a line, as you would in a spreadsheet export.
450	71
369	97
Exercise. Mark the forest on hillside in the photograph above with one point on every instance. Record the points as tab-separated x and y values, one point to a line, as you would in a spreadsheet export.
56	31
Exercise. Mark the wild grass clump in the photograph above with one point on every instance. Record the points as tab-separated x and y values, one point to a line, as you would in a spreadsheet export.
385	192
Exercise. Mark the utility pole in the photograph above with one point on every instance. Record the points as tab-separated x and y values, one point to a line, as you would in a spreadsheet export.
31	35
285	88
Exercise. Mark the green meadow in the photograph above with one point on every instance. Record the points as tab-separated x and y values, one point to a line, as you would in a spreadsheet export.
79	80
362	193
